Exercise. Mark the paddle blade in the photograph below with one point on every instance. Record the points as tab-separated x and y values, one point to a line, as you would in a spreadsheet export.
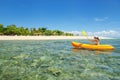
84	33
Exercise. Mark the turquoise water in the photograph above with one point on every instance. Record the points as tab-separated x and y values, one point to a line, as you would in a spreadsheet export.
57	60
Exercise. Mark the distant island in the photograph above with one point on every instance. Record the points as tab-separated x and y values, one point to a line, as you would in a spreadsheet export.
22	31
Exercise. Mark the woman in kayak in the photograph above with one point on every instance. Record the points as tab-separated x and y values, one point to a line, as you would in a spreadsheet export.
96	40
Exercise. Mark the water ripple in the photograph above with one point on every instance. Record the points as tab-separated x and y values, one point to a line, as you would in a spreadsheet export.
57	60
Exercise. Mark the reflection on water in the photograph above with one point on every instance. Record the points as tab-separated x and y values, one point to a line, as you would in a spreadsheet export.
96	52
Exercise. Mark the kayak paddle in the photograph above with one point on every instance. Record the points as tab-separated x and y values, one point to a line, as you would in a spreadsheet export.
85	34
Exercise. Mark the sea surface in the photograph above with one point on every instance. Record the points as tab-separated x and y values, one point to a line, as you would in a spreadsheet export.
57	60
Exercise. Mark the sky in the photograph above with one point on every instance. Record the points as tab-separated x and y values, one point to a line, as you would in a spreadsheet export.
93	16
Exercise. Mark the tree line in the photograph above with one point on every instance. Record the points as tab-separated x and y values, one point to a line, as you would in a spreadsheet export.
14	30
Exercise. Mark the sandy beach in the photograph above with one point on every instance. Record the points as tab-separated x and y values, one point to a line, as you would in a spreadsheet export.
47	37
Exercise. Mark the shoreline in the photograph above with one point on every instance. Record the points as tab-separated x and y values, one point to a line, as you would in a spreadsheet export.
48	37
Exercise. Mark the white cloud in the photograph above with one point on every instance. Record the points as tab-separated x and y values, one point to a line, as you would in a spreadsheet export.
110	33
104	33
100	19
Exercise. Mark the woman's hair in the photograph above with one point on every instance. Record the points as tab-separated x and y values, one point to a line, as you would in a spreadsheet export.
96	38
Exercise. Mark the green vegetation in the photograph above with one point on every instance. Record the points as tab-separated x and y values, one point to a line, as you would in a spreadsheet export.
14	30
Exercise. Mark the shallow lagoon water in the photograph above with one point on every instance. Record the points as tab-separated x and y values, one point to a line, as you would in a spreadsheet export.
57	60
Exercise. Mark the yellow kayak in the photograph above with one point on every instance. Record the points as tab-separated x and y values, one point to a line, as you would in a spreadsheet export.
92	46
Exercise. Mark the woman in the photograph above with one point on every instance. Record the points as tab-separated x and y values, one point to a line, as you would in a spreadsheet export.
96	40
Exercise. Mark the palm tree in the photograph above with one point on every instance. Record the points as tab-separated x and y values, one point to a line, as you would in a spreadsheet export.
1	29
42	30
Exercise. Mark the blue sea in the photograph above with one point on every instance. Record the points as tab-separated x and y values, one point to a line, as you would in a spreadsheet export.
57	60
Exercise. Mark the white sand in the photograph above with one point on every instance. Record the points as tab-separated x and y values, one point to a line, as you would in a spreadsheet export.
46	37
